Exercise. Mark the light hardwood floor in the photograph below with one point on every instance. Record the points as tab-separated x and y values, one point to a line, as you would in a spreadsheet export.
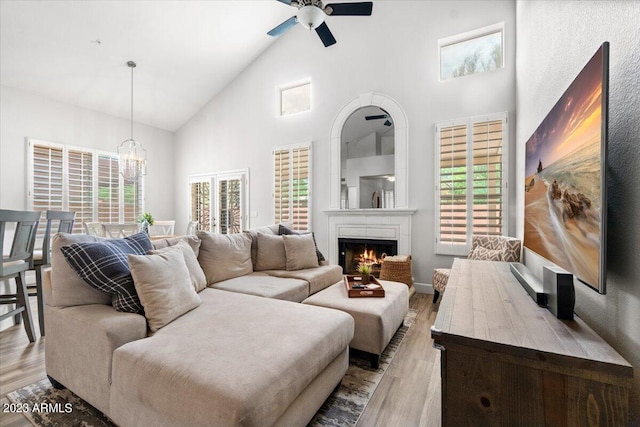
408	394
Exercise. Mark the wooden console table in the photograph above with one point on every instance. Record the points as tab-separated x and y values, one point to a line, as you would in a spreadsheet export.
507	361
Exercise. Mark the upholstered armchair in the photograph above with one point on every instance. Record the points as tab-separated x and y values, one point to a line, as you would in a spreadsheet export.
488	248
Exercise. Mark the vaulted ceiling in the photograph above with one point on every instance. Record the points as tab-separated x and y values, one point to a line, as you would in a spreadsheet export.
186	52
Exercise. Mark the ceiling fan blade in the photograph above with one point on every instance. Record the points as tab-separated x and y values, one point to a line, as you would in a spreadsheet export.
388	123
381	116
353	9
288	2
325	35
284	27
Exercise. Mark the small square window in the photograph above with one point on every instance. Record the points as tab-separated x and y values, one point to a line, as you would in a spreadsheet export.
471	53
295	99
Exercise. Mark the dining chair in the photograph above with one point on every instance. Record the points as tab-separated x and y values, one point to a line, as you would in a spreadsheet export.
18	259
94	229
116	230
192	227
42	256
162	228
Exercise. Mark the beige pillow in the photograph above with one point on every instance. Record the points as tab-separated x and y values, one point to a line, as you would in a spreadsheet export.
192	241
164	287
224	256
271	254
300	251
198	280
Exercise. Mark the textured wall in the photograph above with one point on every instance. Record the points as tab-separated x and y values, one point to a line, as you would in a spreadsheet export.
555	39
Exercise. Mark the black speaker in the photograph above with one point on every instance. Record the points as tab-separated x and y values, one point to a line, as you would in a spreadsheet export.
561	296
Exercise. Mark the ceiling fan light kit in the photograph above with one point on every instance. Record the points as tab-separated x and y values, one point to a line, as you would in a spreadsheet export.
311	15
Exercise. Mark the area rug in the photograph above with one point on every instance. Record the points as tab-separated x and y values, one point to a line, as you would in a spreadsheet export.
49	407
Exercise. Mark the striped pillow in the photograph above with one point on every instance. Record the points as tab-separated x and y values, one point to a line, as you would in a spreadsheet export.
103	265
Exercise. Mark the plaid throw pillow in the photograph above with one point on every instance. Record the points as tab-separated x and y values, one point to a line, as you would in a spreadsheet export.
283	230
103	265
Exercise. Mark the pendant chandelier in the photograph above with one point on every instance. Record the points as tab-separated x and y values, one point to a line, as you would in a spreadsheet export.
132	157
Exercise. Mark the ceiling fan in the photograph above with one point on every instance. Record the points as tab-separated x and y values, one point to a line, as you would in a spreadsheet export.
378	117
311	14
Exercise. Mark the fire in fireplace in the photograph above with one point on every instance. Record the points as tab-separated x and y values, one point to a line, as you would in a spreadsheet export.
369	251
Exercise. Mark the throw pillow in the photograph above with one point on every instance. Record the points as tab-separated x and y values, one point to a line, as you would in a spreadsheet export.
224	256
270	254
300	251
192	241
485	254
164	286
284	230
196	274
103	265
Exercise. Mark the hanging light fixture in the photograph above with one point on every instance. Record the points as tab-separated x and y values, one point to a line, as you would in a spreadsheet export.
132	157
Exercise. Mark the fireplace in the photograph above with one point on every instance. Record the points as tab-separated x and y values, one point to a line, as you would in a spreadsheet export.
352	252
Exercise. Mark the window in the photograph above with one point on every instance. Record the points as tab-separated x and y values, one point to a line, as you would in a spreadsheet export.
295	99
224	211
470	181
471	53
292	185
85	181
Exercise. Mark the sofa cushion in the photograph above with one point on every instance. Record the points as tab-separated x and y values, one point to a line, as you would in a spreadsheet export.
163	285
271	254
67	288
104	266
318	278
198	281
285	229
255	356
265	285
300	251
192	241
253	233
224	256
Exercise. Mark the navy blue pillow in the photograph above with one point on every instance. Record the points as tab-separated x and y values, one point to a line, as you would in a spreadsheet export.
103	265
287	231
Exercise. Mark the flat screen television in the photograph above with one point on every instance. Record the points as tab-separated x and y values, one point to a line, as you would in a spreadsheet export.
565	177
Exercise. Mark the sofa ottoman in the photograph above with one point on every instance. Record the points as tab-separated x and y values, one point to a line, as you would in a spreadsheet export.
376	319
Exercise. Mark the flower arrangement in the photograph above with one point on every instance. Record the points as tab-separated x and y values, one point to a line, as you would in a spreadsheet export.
146	217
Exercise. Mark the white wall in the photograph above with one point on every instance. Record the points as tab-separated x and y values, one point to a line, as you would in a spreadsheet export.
392	52
25	115
555	40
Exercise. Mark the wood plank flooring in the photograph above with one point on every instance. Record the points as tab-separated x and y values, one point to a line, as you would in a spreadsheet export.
408	394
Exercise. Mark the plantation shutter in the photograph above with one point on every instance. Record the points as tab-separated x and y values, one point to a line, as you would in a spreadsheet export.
292	186
47	184
281	195
80	187
487	177
201	204
300	187
470	181
453	185
132	203
108	188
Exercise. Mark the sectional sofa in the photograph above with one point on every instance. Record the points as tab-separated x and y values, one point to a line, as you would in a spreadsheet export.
241	353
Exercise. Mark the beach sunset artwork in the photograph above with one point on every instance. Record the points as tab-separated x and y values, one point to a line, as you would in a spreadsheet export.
563	194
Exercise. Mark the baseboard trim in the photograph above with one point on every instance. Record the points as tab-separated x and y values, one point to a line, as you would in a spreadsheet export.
423	288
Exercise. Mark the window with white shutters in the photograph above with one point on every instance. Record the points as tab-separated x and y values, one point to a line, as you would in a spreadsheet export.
471	181
219	201
81	180
292	186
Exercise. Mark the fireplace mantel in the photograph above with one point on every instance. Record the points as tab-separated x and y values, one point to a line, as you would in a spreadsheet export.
369	212
382	224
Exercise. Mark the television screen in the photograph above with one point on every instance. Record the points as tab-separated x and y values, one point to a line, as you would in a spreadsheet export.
565	184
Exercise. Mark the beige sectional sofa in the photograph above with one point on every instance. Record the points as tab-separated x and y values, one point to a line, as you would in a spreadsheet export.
246	355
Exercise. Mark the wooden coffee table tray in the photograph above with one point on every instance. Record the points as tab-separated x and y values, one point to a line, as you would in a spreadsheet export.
349	281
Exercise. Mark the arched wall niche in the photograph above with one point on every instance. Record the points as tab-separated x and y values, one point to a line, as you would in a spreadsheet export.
401	145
